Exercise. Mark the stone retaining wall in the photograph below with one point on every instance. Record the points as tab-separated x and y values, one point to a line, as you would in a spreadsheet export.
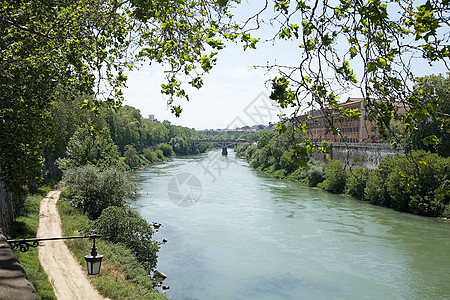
369	155
6	210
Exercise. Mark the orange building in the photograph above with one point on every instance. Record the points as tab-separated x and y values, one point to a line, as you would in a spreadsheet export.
350	131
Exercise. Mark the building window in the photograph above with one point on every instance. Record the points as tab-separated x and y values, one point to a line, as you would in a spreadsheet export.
373	129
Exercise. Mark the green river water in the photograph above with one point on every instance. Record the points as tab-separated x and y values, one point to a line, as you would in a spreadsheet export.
236	233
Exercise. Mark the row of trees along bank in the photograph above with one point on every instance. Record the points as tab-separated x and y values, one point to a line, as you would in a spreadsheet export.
94	164
53	51
93	153
138	141
413	183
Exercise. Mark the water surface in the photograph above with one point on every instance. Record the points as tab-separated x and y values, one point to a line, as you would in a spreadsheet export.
250	236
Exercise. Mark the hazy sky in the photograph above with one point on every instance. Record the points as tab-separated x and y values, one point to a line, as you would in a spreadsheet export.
234	93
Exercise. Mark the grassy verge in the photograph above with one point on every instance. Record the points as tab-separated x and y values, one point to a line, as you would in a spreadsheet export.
25	226
121	276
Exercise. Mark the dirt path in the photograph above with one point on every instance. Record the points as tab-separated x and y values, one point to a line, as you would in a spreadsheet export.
68	279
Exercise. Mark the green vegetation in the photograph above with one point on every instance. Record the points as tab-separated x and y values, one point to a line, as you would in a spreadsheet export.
122	276
25	226
356	182
416	182
96	182
411	184
335	177
124	226
275	153
431	133
60	55
347	46
59	50
85	148
93	190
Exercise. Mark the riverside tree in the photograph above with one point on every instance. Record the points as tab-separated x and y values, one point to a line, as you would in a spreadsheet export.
370	46
86	45
365	45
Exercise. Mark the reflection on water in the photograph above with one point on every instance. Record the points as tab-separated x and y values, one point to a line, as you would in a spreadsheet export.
251	236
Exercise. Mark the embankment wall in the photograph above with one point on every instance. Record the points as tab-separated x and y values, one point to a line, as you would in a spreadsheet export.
369	155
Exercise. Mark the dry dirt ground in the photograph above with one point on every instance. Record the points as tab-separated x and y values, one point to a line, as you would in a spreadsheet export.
68	279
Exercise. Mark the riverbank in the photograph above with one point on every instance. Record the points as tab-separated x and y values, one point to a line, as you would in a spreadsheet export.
121	276
274	239
414	183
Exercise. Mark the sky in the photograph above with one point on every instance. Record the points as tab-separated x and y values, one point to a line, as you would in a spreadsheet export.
234	94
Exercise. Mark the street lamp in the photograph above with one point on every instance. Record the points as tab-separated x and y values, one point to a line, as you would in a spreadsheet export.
93	261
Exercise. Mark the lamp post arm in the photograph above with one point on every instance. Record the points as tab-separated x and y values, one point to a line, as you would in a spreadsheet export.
25	244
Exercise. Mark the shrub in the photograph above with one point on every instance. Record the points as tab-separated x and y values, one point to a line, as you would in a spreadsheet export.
280	174
166	150
298	175
132	159
93	190
84	148
259	159
356	182
160	155
335	177
150	155
410	183
315	175
123	225
375	190
249	152
287	161
241	149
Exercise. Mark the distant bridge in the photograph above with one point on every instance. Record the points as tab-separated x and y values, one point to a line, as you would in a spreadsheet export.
222	143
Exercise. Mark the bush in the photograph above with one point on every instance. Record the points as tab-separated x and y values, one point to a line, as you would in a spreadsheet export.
166	150
260	159
315	175
410	183
249	152
335	177
279	174
160	155
150	155
287	161
132	159
93	190
298	175
85	148
375	191
123	225
356	182
241	149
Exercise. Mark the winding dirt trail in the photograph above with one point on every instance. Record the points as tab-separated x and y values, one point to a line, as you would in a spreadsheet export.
65	274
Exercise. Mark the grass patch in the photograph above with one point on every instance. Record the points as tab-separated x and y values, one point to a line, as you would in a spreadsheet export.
25	226
121	276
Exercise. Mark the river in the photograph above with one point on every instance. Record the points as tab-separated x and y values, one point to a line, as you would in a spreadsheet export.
235	233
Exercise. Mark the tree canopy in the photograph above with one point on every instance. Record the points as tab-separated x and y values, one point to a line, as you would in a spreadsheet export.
85	46
369	46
